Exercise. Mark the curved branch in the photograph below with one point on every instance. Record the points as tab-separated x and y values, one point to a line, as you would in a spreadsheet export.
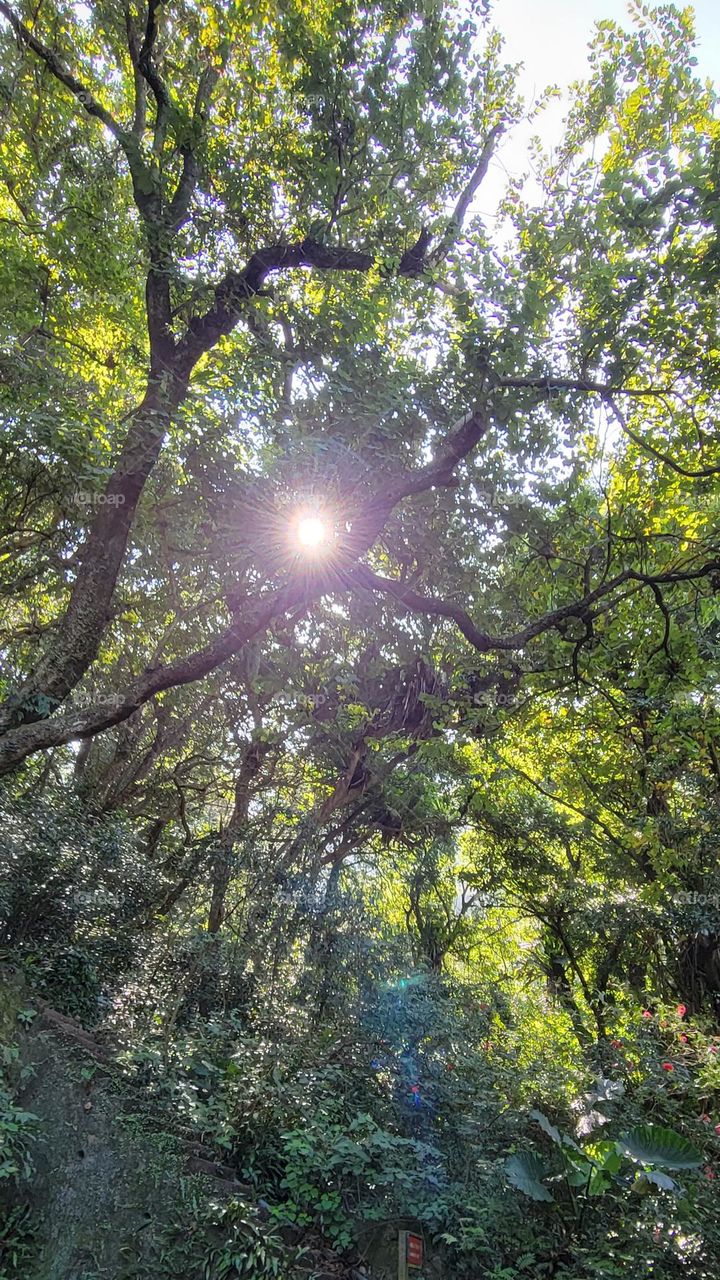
150	73
39	733
143	182
237	286
608	391
468	195
689	474
57	68
484	641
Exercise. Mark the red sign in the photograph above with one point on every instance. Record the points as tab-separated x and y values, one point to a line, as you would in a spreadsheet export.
414	1250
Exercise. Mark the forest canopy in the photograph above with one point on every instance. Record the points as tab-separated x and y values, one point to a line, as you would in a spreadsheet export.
360	620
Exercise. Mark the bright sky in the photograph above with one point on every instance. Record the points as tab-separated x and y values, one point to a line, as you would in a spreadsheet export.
550	37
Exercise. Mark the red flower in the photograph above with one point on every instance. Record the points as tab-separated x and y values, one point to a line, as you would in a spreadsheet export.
717	1129
681	1010
683	1039
705	1117
668	1066
713	1048
646	1013
709	1172
616	1044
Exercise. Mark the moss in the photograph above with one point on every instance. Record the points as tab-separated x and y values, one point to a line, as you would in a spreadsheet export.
107	1176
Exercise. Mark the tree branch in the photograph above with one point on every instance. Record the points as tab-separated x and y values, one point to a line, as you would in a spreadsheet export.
180	202
139	115
144	187
677	467
366	524
237	286
149	71
468	195
55	65
550	383
608	391
483	641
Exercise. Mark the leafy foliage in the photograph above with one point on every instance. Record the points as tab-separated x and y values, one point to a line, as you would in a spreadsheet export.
388	868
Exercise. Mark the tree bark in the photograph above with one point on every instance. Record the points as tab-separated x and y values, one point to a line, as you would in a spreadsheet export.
77	639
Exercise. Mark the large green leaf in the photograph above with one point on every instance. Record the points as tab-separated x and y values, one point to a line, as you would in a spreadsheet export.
652	1144
547	1126
661	1180
579	1175
598	1183
525	1172
607	1155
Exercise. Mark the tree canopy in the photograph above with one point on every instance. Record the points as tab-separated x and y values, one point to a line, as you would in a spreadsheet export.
360	627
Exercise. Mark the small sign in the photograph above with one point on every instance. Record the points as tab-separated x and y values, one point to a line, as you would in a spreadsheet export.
414	1250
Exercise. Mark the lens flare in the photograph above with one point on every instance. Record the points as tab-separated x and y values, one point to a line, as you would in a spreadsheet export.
312	533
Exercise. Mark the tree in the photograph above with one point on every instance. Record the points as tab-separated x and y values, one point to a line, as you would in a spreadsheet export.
285	281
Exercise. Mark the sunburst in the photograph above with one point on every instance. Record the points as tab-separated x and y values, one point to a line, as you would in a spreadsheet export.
312	533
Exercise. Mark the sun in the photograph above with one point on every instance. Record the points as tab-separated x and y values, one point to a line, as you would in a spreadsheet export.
311	532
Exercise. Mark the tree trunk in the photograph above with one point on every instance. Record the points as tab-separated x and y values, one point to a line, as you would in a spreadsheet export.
75	643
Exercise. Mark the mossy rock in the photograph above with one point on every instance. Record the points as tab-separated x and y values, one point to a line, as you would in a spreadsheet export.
101	1187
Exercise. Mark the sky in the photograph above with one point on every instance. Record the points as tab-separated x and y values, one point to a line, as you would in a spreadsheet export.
550	37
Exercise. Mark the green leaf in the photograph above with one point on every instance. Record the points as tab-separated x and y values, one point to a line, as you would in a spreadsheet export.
547	1127
661	1180
525	1172
579	1175
598	1183
608	1156
651	1144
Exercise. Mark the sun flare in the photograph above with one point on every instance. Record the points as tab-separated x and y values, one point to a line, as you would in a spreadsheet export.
312	533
